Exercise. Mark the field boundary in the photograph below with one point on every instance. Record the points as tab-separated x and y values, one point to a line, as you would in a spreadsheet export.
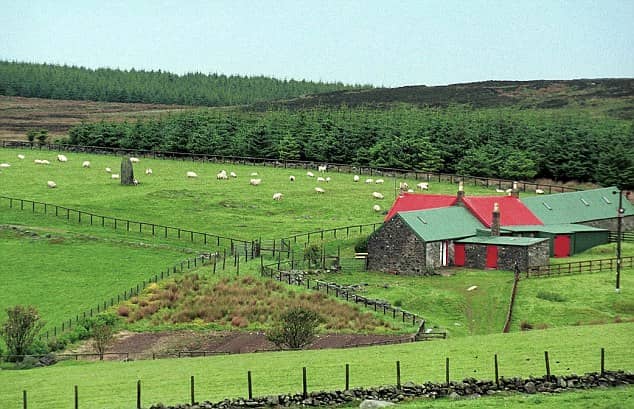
578	267
509	314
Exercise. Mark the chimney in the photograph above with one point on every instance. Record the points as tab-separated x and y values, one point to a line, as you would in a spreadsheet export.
495	220
460	191
515	192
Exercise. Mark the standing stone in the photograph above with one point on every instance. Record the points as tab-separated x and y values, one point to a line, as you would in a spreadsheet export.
127	172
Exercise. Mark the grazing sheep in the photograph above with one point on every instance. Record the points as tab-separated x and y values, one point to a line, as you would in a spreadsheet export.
355	178
291	178
320	179
379	181
135	182
423	186
51	184
310	174
322	168
255	182
377	195
319	190
38	161
509	190
369	181
473	287
277	196
108	170
4	165
254	173
134	160
233	175
328	179
403	185
376	208
499	190
20	156
115	176
410	190
539	191
62	158
191	174
85	164
148	171
222	175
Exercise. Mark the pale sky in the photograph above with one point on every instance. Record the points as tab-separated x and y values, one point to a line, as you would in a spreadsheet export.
383	43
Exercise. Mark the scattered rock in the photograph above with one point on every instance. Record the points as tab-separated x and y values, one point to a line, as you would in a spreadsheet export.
374	404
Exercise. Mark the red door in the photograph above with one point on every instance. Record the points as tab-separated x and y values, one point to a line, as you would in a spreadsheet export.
492	257
459	254
562	245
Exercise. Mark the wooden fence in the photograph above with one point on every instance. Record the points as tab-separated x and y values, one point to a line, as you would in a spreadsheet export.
509	314
332	167
626	237
578	267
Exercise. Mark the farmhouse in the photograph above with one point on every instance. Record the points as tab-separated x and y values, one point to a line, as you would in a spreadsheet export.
423	232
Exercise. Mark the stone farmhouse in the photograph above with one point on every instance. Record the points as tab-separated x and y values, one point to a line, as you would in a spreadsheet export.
423	232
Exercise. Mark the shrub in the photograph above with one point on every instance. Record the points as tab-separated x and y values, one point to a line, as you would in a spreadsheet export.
361	246
295	329
28	362
123	310
22	326
398	303
313	254
526	326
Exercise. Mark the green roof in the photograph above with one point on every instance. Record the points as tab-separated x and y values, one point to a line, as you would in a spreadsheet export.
446	223
577	207
554	228
503	240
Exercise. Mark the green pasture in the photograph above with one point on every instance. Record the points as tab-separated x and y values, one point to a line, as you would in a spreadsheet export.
113	384
64	274
225	207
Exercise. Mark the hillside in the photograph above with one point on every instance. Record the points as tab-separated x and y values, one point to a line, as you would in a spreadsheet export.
614	97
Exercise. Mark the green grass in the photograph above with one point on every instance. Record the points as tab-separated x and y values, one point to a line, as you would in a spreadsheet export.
113	384
231	207
612	398
63	274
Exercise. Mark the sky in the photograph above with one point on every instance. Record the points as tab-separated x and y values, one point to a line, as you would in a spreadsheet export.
381	43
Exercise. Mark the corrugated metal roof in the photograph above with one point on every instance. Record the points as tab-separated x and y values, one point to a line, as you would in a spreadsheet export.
441	224
503	240
418	201
512	210
555	228
577	207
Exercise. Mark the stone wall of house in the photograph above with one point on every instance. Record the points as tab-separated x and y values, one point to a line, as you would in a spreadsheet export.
394	248
535	255
611	224
432	253
475	255
539	254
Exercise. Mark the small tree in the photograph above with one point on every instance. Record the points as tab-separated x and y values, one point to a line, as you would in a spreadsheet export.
295	329
313	254
127	172
102	337
31	134
19	331
42	136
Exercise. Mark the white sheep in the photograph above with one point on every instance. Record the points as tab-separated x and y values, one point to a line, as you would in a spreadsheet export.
291	178
410	190
509	190
38	161
108	170
85	164
191	174
134	160
233	175
254	173
310	174
539	191
423	186
376	208
62	158
222	175
115	176
320	179
51	184
328	179
20	156
4	165
403	185
319	190
369	181
355	178
377	195
379	181
135	182
499	190
148	171
255	182
322	168
277	196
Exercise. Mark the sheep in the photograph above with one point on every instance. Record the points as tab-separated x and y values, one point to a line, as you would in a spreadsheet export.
319	190
328	179
376	208
115	176
310	174
377	195
291	178
379	181
222	175
320	179
20	156
509	190
369	181
85	164
233	175
135	182
539	191
499	190
255	182
410	190
403	185
51	184
355	178
148	171
62	158
277	196
322	168
45	162
108	170
191	174
423	186
38	161
134	160
254	173
4	165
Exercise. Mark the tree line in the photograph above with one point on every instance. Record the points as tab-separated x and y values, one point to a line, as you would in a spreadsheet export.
508	143
156	87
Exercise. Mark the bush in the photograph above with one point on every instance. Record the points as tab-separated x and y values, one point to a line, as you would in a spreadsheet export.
21	328
398	303
526	326
296	328
361	246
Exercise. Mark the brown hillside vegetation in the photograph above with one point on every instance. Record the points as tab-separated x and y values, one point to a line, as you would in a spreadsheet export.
18	115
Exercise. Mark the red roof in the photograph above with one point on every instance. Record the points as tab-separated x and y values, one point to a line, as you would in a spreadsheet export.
512	211
418	201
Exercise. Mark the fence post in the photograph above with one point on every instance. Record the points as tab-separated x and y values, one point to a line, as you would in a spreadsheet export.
347	377
547	365
138	394
602	361
192	390
24	399
249	385
304	383
447	371
398	374
497	379
76	398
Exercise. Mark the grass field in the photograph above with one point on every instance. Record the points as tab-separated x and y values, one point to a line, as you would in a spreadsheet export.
113	384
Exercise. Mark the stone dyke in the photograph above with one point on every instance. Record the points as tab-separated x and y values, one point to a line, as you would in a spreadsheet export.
468	388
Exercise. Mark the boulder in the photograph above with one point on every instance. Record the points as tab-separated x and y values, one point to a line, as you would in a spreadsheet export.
374	404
